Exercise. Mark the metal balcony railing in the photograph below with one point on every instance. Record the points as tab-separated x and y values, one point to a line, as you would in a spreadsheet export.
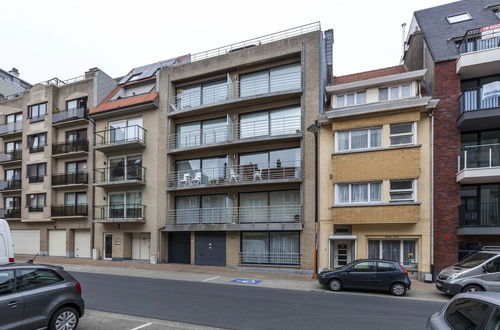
134	133
10	128
36	149
120	174
479	215
478	39
10	185
13	213
239	131
480	156
70	178
472	100
251	173
69	210
11	156
235	215
270	258
58	82
69	114
119	213
67	147
35	208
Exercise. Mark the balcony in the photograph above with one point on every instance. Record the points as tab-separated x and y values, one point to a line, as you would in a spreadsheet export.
276	217
481	219
479	53
10	214
70	179
478	111
69	211
119	213
69	116
10	185
291	260
247	132
11	157
11	129
120	176
479	164
69	149
123	138
236	175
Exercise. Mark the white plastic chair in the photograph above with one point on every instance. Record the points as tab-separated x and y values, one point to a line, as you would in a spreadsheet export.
185	180
233	175
257	174
197	178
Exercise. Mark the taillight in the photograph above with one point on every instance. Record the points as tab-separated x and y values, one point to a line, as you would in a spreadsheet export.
78	288
11	259
403	269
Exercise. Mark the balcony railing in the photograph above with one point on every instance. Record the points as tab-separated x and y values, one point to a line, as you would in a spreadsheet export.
70	210
472	100
478	39
235	215
245	130
36	119
11	156
127	134
14	213
10	185
36	178
11	128
70	178
119	213
479	215
480	156
35	208
36	149
270	259
67	147
69	114
120	174
251	173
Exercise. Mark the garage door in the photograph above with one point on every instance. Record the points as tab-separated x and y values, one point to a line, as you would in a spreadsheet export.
26	241
141	246
210	248
82	244
57	243
179	247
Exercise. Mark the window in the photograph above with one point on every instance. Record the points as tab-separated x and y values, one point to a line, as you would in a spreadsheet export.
125	130
125	205
466	314
36	202
202	171
201	132
207	209
351	99
13	146
6	282
12	205
493	266
359	193
273	122
37	112
273	207
394	92
37	142
402	251
134	77
275	248
76	167
385	267
458	18
402	134
125	168
402	190
29	279
202	94
75	198
77	135
13	175
278	79
80	103
359	139
364	267
36	172
14	121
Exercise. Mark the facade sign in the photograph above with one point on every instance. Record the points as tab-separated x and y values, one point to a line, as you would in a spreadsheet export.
491	90
489	32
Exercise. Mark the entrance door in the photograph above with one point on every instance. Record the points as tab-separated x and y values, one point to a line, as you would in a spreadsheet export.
342	253
210	248
108	246
179	247
141	246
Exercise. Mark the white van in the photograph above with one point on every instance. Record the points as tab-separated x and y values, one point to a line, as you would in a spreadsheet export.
6	246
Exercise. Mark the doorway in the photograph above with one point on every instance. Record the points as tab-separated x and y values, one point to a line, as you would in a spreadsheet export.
108	247
342	252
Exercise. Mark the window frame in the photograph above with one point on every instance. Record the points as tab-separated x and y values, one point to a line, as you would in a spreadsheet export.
37	137
38	177
413	191
39	206
413	134
350	149
39	116
453	19
13	284
346	95
350	184
463	300
401	247
400	92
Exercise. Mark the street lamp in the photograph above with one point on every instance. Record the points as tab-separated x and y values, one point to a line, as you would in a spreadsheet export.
314	128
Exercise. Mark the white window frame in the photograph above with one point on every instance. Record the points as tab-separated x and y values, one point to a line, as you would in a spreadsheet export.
344	98
413	134
413	191
400	92
369	129
401	242
458	18
350	202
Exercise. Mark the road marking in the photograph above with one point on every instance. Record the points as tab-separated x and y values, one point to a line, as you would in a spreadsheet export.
142	326
246	281
211	278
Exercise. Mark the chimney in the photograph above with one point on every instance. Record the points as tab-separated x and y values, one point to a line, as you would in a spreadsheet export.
90	72
403	37
14	72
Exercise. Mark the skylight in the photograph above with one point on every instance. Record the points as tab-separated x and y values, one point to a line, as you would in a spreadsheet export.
459	18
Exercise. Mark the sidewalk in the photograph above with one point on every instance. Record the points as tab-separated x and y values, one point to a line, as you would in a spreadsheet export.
219	275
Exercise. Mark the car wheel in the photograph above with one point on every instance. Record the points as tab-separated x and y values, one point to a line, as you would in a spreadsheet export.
65	318
398	289
335	284
472	288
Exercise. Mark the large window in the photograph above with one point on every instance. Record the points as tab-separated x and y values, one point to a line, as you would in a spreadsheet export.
402	134
126	130
360	139
275	248
13	146
125	205
273	122
480	205
125	168
76	167
402	190
402	251
270	165
202	94
37	142
480	93
278	79
80	103
13	175
76	135
202	171
274	206
394	92
37	112
14	118
36	172
352	193
36	202
207	209
202	132
351	99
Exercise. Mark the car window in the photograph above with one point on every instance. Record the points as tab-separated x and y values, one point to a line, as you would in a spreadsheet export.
6	281
365	266
28	279
466	314
493	266
494	322
475	260
385	267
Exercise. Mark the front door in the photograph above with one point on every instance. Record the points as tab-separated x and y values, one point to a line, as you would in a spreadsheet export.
108	246
342	253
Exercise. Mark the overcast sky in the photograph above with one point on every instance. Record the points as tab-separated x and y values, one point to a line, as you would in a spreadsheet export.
64	38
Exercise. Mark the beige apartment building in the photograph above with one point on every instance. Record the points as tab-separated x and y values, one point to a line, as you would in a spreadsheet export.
375	170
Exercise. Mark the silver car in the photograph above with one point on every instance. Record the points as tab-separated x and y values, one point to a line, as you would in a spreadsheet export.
480	310
478	272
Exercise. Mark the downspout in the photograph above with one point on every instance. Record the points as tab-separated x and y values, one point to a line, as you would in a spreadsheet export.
431	114
92	226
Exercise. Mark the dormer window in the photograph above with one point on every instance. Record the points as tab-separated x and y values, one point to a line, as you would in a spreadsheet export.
458	18
134	77
351	99
394	92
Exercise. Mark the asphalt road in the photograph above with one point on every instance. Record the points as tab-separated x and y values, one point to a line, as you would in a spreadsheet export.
250	307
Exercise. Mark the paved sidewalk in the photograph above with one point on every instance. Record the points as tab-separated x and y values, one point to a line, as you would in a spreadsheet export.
221	275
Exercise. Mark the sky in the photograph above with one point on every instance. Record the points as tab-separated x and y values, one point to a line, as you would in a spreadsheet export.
64	38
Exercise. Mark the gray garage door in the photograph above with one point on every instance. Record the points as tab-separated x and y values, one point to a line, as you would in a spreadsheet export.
179	247
210	248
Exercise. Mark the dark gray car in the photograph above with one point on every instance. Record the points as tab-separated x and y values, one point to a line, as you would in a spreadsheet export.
39	297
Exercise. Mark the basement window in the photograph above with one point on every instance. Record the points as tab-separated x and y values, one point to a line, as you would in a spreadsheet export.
459	18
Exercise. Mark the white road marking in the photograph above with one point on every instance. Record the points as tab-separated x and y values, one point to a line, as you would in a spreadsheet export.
211	278
142	326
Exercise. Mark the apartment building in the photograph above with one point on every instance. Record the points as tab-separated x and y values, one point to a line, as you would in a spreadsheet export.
11	85
459	46
375	170
44	164
239	161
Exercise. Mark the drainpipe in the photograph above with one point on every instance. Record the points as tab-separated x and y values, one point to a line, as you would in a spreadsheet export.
92	226
431	114
314	128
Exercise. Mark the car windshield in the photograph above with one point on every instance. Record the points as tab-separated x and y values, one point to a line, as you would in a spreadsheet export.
475	260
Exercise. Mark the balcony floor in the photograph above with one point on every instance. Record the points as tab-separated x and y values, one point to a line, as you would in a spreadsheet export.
235	227
479	175
112	147
464	231
234	184
71	122
71	154
118	184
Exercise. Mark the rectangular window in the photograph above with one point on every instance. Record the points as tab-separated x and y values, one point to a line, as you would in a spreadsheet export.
125	205
14	118
202	94
77	135
37	142
394	92
352	193
458	18
201	132
401	134
36	172
36	202
37	112
125	130
351	99
273	122
75	198
359	139
402	251
402	190
80	103
278	79
272	248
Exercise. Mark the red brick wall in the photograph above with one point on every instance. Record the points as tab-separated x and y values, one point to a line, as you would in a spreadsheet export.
446	151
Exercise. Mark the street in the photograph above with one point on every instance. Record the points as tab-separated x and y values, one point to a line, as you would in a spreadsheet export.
250	307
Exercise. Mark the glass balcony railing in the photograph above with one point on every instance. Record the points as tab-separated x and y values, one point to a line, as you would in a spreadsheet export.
11	128
10	213
69	210
70	178
480	156
120	135
68	147
69	114
119	213
10	184
120	174
11	156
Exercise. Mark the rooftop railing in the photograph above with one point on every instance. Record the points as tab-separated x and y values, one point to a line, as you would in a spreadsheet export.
479	215
478	39
119	213
473	99
133	133
69	114
10	128
58	82
480	156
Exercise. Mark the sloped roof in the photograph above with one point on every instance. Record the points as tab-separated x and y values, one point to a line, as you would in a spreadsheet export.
147	71
368	74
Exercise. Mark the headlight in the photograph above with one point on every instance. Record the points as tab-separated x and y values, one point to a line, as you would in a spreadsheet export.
454	275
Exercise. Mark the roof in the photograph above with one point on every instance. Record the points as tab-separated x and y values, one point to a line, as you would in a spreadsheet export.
438	33
368	74
149	70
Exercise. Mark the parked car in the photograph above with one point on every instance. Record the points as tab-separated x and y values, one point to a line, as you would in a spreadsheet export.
6	246
39	296
368	274
479	310
478	272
